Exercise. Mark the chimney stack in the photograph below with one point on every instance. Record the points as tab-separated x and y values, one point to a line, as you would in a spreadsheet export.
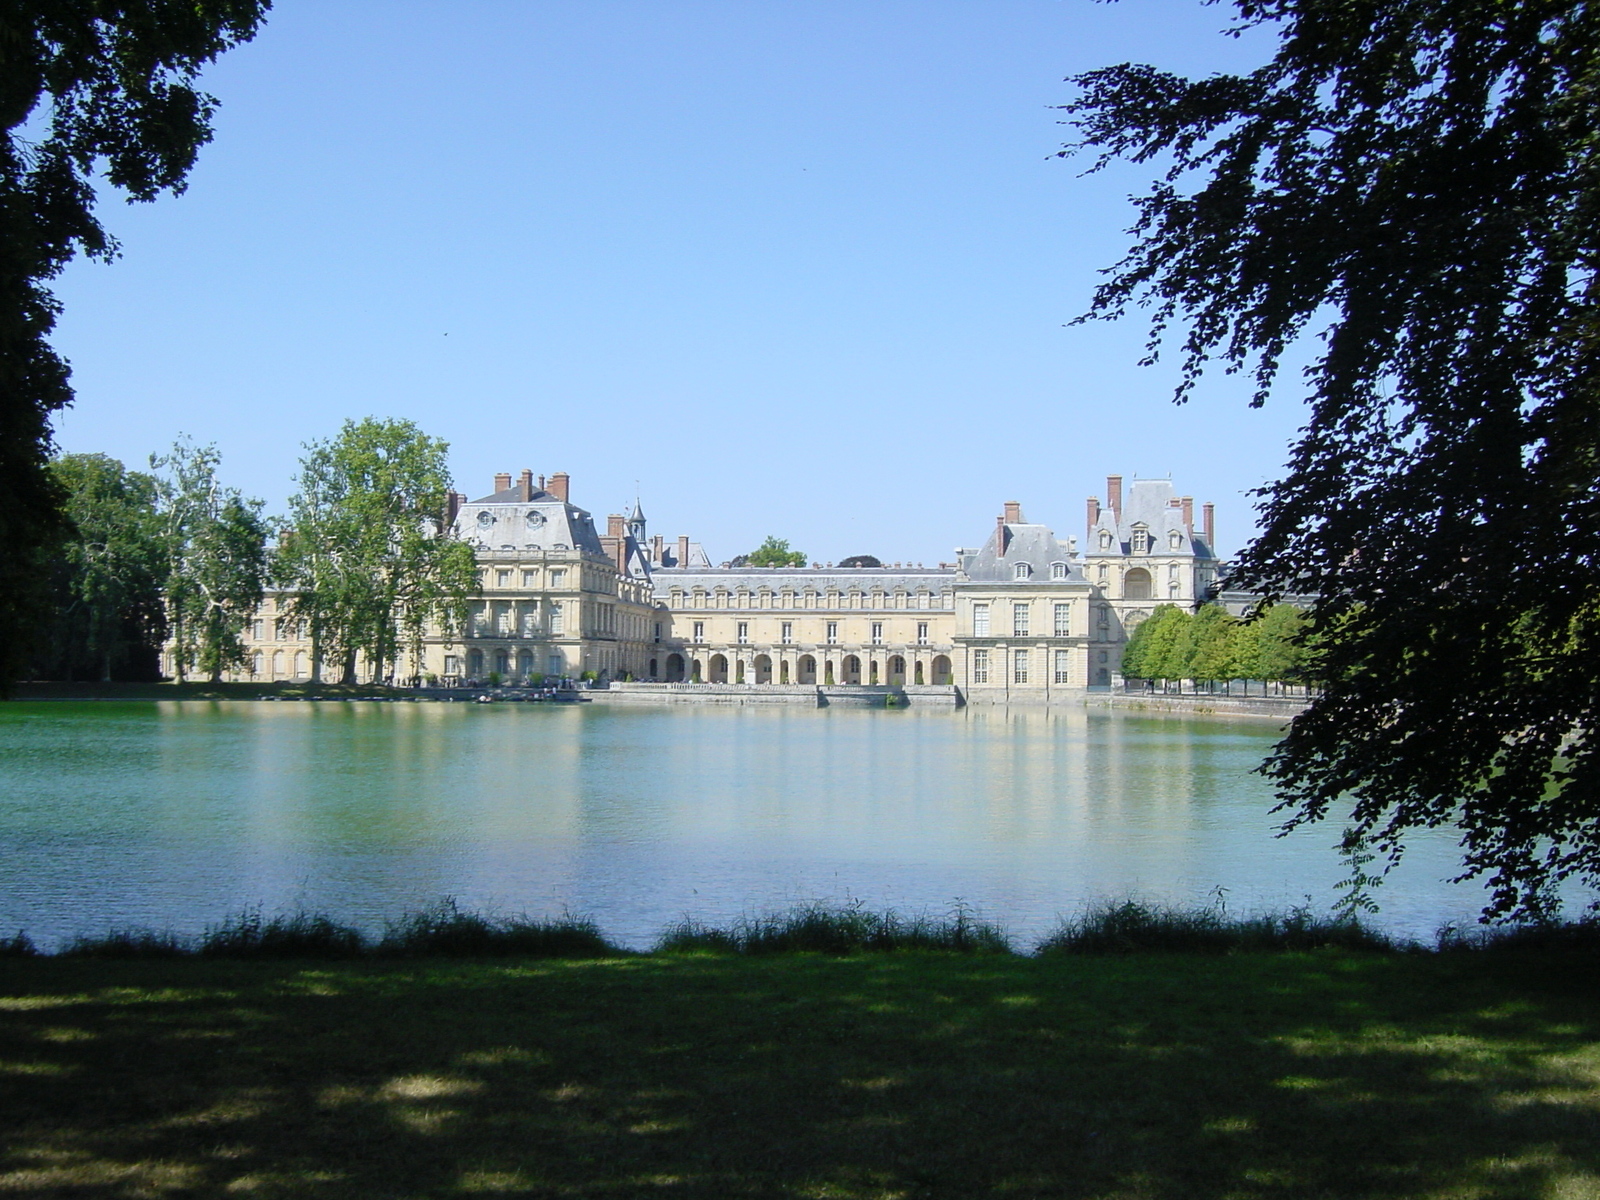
683	549
525	486
453	502
1013	512
657	549
1002	536
559	483
1093	512
616	526
1114	495
541	483
1208	517
502	483
1188	514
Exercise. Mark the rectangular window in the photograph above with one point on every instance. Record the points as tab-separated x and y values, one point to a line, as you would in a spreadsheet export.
833	632
877	633
1019	666
557	619
699	631
788	632
658	631
1019	620
257	628
980	666
558	578
452	665
980	620
744	632
1063	669
922	633
530	578
502	579
1063	620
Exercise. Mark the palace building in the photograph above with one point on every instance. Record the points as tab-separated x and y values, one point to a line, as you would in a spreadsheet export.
1025	617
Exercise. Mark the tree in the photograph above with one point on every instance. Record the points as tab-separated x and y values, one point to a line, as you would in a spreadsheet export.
106	610
775	552
1408	192
1149	653
89	92
368	556
1212	636
214	545
857	560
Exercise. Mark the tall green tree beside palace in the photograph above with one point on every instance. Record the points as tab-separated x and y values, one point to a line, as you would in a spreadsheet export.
214	546
367	558
107	617
775	552
92	93
1409	191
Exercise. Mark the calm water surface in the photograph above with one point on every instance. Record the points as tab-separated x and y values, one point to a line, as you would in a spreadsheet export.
173	815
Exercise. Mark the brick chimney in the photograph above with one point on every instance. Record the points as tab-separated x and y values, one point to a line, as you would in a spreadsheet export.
1208	518
1114	495
452	505
559	482
1093	510
1188	514
683	549
1013	512
525	485
616	525
502	483
541	483
658	547
1002	536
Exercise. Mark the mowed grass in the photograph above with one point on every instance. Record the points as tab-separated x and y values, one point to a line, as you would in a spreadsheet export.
1319	1074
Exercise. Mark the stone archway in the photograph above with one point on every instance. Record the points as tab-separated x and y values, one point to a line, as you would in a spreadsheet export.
763	672
717	669
918	675
897	672
674	668
805	671
941	670
850	669
1136	584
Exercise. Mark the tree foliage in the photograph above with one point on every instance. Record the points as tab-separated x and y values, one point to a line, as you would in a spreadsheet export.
1416	183
1209	646
775	552
213	541
106	614
367	557
89	92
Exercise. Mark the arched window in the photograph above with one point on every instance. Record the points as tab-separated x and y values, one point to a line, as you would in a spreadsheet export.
1058	570
1136	584
1021	571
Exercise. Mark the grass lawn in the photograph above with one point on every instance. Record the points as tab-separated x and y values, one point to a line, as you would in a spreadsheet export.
896	1075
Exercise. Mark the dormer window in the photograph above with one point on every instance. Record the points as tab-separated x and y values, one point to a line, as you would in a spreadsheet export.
1141	540
1105	540
1021	571
1058	570
1175	540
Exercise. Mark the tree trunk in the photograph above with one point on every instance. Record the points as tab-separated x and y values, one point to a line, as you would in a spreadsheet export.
349	674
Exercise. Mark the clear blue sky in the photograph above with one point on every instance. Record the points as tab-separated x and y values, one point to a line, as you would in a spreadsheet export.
801	268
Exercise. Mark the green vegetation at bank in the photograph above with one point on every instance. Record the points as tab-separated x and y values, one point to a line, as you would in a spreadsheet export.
1208	646
895	1075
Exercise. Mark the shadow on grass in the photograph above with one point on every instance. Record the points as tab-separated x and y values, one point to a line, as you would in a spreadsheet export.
913	1075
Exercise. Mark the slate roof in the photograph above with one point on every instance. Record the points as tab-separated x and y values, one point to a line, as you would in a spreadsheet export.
1024	542
1147	502
505	521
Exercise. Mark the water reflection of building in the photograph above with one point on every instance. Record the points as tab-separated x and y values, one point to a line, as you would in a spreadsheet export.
1024	617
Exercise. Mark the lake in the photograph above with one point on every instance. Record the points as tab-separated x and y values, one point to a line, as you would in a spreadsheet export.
173	815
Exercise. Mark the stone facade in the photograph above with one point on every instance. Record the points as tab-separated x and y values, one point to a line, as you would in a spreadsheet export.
1024	618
